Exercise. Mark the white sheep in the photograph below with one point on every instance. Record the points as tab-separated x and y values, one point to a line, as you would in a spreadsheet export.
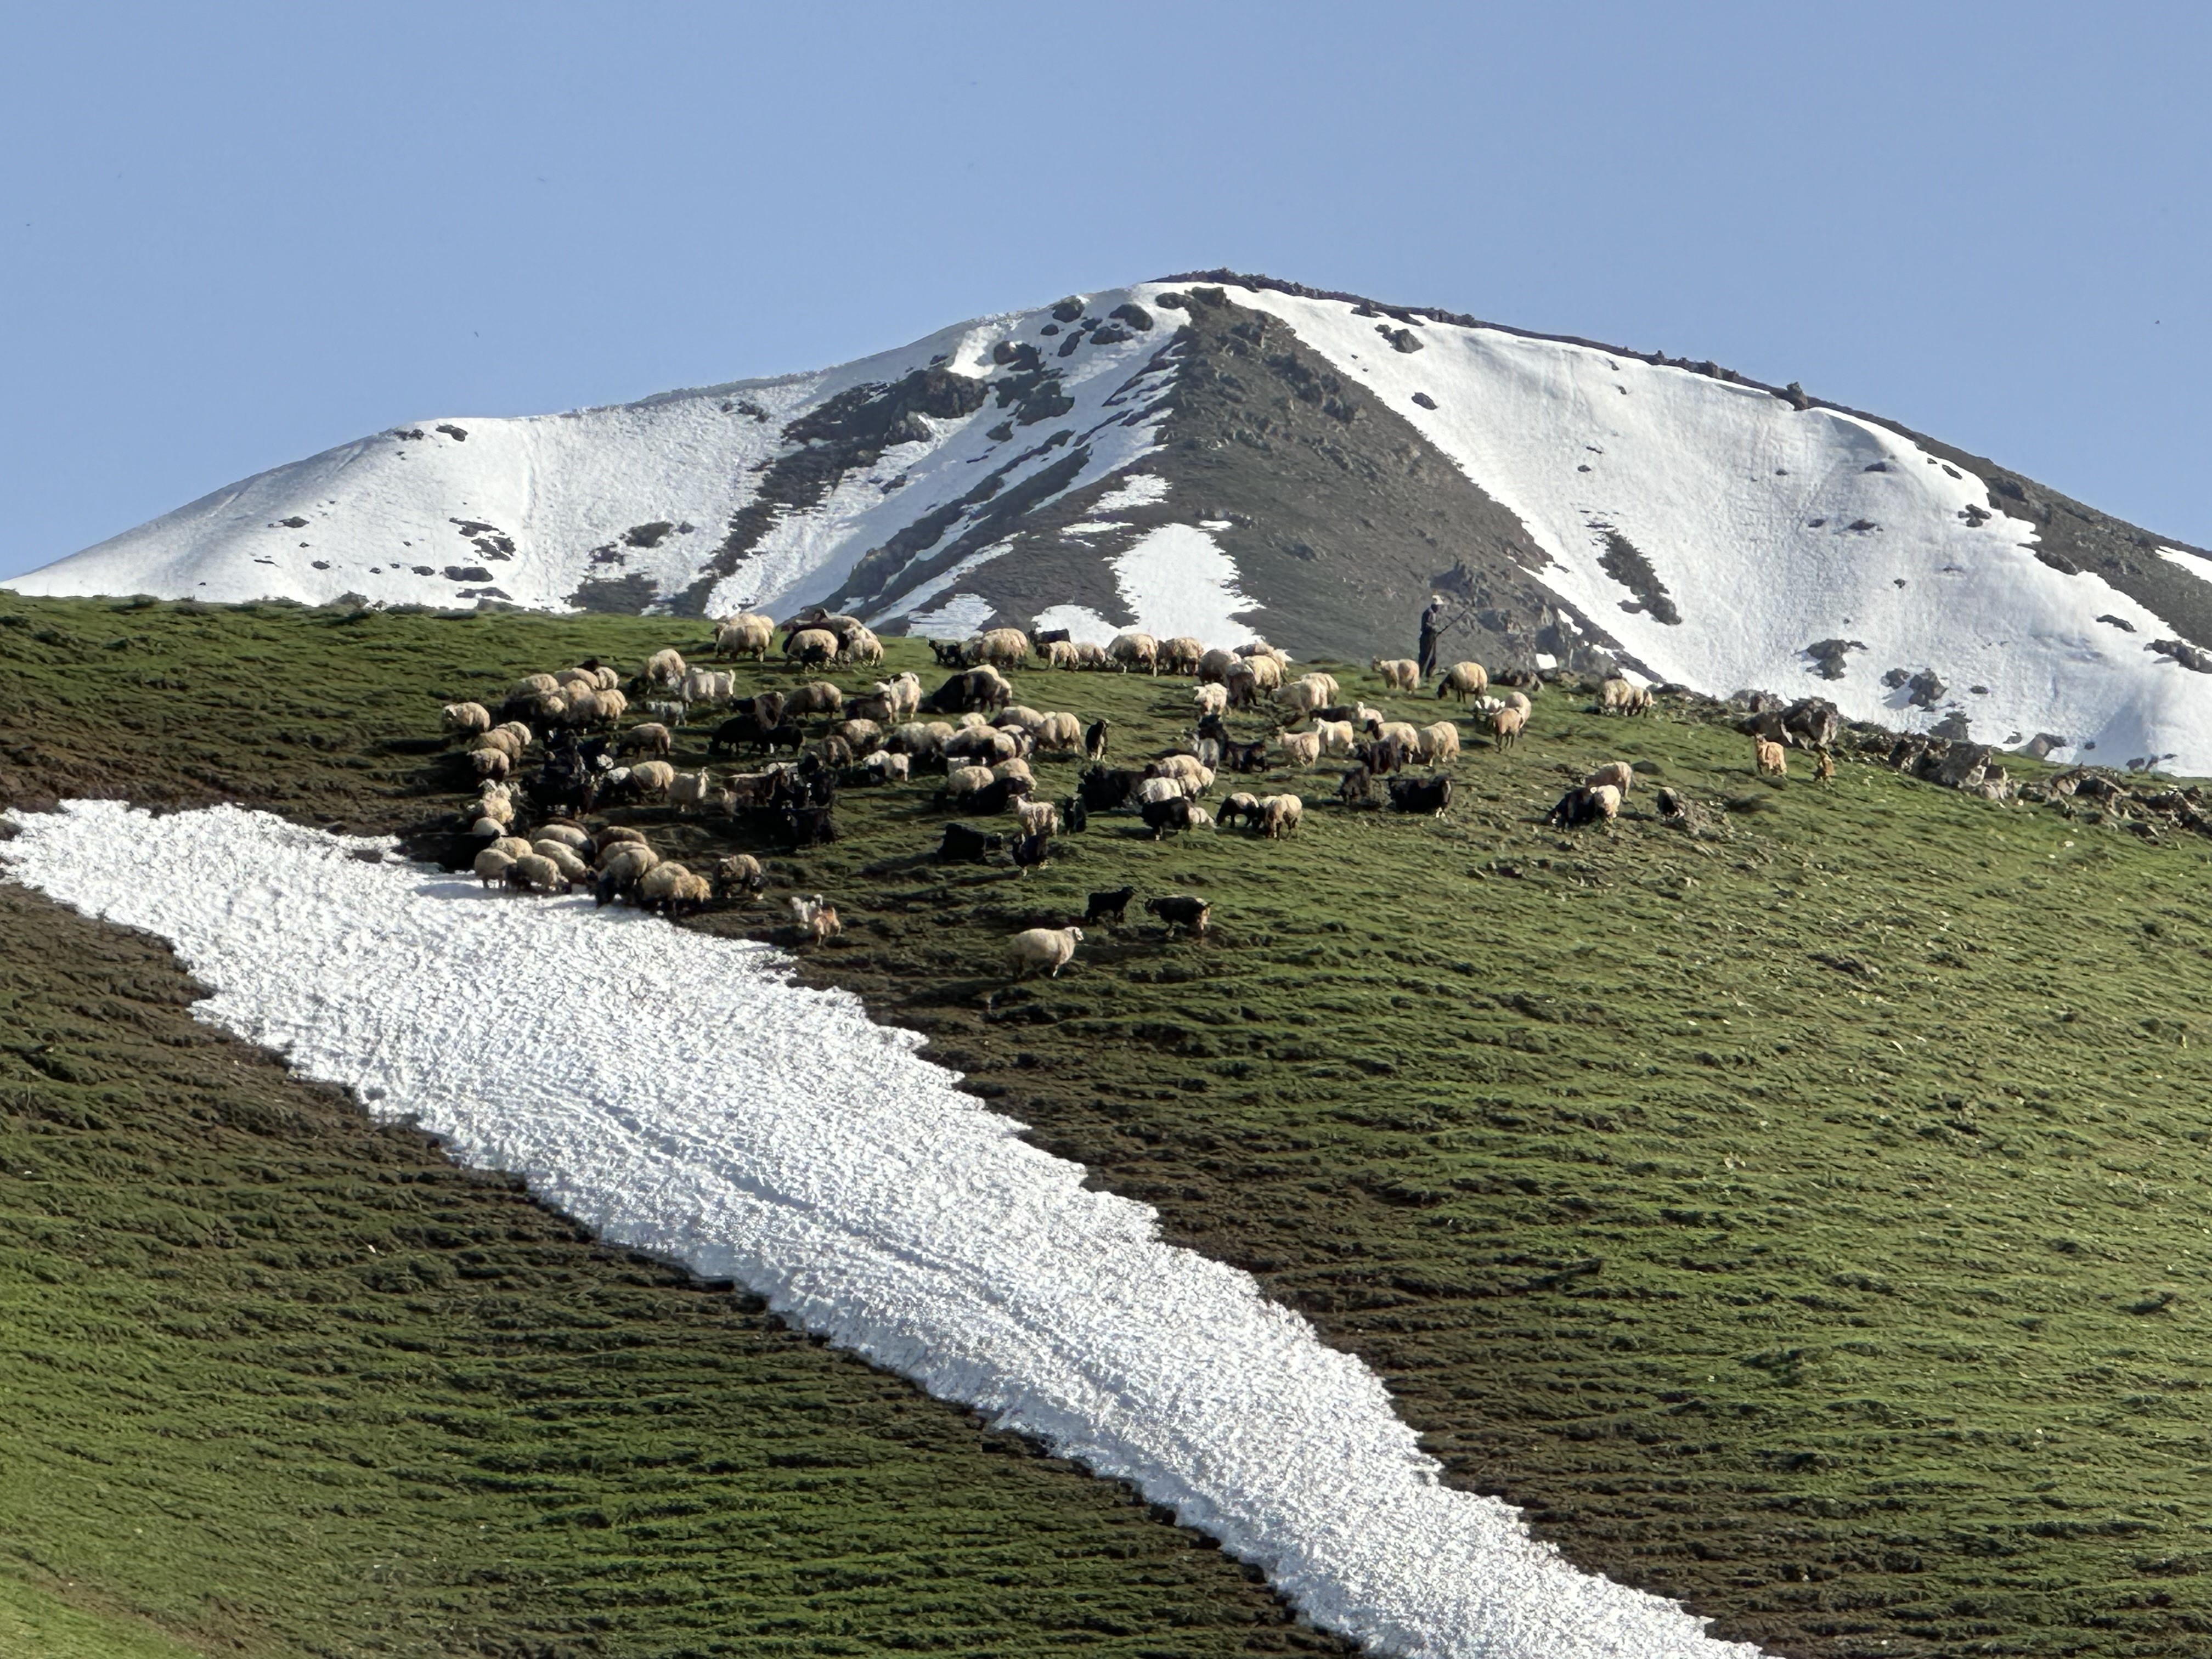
1398	673
1336	736
1211	699
1438	742
961	782
887	768
652	777
1058	733
466	718
573	869
1153	790
1058	653
664	668
1135	650
491	865
650	738
1051	948
690	789
1279	815
1302	748
568	835
1622	774
534	873
1039	817
1407	738
1462	680
1014	767
749	635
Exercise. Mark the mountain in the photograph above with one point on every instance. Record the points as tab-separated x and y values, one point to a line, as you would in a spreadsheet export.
1224	455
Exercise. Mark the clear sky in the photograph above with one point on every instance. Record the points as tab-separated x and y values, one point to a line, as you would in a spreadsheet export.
235	234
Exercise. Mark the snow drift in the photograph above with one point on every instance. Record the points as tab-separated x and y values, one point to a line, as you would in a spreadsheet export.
719	1115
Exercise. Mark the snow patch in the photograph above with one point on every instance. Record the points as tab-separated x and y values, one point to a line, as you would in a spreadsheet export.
917	597
1085	626
724	1116
958	618
1140	490
1176	579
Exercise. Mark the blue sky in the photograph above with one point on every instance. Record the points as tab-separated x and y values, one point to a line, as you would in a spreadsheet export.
234	235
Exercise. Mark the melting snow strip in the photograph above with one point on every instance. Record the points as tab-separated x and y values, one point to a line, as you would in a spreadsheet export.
698	1103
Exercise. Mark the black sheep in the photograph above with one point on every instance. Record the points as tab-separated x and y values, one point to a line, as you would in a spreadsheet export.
947	652
789	735
1102	790
1030	851
992	797
1430	794
978	687
1180	910
1381	755
1049	635
965	845
1166	817
810	826
1108	907
738	728
1578	808
1074	814
1342	711
1356	787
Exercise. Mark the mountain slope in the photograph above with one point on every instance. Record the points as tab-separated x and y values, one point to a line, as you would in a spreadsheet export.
1226	455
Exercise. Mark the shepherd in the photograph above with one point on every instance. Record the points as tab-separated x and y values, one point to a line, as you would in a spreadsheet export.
1431	625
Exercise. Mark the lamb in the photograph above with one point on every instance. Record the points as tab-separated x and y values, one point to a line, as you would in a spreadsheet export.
1438	744
466	718
1134	650
1110	906
1622	774
650	738
749	635
664	668
1772	756
1180	910
740	873
1039	817
1462	680
1051	948
1280	815
652	777
1302	748
1211	699
815	918
1398	673
1336	736
811	646
1506	726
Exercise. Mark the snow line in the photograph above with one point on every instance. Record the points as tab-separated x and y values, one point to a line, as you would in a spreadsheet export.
681	1095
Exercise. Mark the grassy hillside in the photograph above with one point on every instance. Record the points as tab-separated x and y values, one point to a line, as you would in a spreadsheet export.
1808	1221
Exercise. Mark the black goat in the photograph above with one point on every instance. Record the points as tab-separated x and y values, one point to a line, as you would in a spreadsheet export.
965	845
1094	740
977	688
1579	807
1166	817
1244	756
1357	787
1429	794
1108	907
1074	814
1381	755
1102	790
1030	851
1180	910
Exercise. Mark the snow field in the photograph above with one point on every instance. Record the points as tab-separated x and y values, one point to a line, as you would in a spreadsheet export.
1744	507
709	1110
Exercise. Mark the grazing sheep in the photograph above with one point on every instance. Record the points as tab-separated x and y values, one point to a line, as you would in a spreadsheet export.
1617	697
905	692
811	646
531	686
1520	700
740	873
1213	667
1180	654
971	688
963	780
1179	766
1210	700
652	777
1059	734
1039	817
466	718
1336	735
1094	739
862	646
1049	948
690	789
1018	717
533	873
883	767
1058	653
1462	680
862	737
491	865
1505	726
1241	805
501	738
671	887
1301	749
1301	698
1622	774
568	835
490	763
1356	787
1586	803
815	697
1398	673
664	668
1207	751
1772	756
616	834
651	739
1182	910
1825	768
916	738
1108	906
574	871
1160	788
1134	650
1001	648
1013	767
1091	655
1166	817
1280	815
1438	744
749	634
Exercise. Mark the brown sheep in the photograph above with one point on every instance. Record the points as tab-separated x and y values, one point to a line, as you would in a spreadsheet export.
1619	774
1505	726
1772	757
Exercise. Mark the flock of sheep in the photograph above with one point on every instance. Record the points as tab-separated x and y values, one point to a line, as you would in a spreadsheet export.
972	726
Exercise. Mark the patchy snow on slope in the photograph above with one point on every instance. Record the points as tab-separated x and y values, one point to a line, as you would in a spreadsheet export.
724	1116
962	616
1770	531
1082	624
922	593
528	510
1176	579
1140	489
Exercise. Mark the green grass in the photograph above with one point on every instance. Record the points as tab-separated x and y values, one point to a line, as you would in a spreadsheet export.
1811	1223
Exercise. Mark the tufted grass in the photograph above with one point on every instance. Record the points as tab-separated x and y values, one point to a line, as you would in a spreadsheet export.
1810	1222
